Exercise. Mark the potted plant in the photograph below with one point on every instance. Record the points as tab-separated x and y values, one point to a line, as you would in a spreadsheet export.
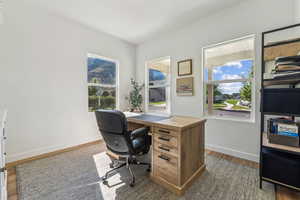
135	98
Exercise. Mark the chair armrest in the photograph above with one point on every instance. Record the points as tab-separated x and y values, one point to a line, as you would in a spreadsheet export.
140	132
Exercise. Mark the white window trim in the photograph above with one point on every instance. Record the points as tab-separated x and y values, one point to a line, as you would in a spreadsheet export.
116	85
168	91
253	90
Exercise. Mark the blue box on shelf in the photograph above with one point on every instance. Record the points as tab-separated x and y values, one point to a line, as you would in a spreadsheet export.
283	131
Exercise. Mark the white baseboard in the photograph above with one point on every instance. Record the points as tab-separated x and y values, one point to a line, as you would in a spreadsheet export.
28	154
36	152
232	152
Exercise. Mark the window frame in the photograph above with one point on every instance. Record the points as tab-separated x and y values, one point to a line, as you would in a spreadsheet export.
252	80
116	85
167	88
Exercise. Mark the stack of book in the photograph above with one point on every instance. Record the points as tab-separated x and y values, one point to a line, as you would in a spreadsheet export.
285	68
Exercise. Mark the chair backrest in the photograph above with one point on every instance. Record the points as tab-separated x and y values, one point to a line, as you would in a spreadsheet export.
113	127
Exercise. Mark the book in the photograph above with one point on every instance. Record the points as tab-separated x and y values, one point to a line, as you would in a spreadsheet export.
272	123
288	76
295	75
287	68
288	59
284	127
288	63
287	134
282	75
288	129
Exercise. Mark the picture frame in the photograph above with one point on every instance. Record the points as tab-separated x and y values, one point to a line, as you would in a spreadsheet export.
185	67
185	86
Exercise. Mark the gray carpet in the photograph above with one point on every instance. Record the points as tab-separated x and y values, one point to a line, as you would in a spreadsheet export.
75	176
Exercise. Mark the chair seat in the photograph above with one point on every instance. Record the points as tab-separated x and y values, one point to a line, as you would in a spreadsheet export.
112	125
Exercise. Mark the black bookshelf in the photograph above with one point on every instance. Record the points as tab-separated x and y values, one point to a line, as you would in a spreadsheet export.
282	43
279	164
281	114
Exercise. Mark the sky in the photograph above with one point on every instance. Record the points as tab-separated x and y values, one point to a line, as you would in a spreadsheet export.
232	70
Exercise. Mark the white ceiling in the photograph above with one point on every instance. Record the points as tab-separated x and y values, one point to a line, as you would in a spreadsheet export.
135	20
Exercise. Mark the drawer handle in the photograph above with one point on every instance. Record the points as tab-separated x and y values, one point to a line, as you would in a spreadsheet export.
163	148
164	139
164	158
164	131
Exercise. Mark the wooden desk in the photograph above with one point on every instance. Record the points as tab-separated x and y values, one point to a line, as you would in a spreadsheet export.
177	149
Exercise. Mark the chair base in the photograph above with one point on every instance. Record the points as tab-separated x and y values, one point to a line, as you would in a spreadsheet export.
129	161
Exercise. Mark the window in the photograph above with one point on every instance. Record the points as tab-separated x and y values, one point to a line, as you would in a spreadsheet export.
102	83
228	79
158	86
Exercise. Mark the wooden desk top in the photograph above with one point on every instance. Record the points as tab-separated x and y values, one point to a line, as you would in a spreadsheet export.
181	121
173	122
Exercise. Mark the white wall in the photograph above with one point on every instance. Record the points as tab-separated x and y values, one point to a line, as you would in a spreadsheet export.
1	12
297	11
250	17
43	78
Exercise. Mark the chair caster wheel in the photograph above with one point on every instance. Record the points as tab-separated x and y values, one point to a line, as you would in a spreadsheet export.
131	184
104	182
111	165
148	170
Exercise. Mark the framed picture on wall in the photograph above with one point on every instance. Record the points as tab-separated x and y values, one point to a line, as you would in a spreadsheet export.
185	86
185	67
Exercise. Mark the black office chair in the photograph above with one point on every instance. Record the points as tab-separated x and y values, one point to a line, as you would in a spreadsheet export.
126	144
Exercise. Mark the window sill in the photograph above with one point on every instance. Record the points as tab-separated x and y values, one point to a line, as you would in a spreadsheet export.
251	121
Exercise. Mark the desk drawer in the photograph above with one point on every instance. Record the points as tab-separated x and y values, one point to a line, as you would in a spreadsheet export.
166	167
162	148
166	140
165	131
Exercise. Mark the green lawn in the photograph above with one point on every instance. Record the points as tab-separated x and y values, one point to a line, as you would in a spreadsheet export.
157	103
232	101
219	105
236	107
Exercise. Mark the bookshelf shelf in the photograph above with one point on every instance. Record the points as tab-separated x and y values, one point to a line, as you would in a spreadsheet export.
281	114
282	43
266	143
